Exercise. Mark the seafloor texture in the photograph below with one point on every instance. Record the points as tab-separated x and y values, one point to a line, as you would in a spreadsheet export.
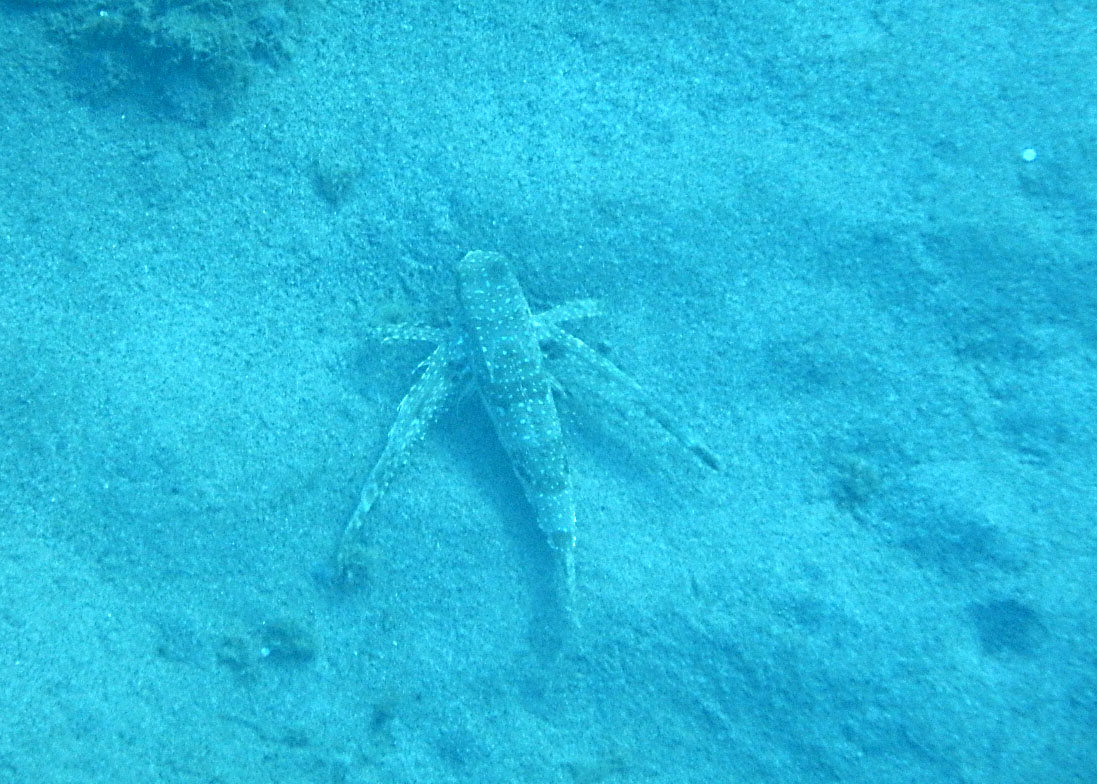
851	244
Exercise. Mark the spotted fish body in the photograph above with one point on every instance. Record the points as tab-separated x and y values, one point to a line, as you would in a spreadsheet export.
501	336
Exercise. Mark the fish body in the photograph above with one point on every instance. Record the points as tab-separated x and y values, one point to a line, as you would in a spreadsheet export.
501	335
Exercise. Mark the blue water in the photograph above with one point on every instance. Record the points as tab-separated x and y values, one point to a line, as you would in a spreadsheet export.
851	245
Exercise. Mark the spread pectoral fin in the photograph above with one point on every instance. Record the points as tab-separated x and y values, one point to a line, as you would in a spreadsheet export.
586	374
